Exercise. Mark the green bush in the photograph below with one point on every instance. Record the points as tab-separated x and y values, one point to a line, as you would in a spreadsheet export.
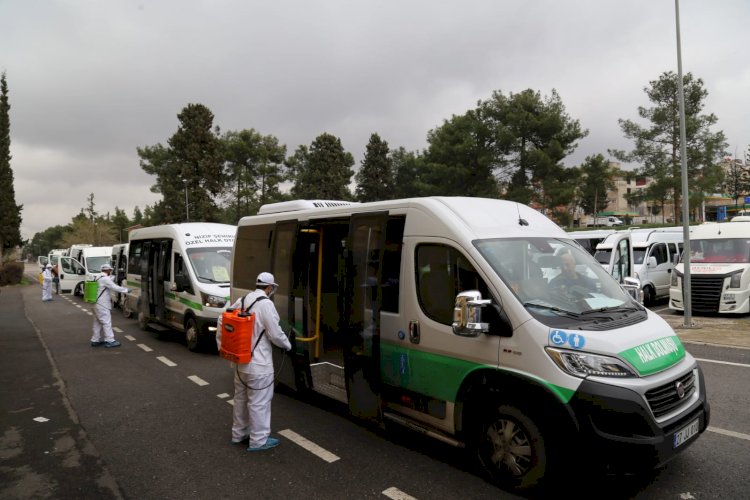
11	273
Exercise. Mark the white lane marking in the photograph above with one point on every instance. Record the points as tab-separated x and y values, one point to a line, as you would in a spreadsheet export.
117	329
231	402
78	306
166	361
146	348
223	395
737	435
41	420
396	494
744	365
198	380
129	337
309	445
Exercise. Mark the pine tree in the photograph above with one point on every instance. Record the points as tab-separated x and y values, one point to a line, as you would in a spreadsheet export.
10	212
323	171
375	178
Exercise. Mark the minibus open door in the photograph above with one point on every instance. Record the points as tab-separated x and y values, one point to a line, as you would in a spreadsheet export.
364	258
284	243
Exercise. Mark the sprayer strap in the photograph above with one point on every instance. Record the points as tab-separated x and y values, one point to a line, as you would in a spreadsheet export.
102	292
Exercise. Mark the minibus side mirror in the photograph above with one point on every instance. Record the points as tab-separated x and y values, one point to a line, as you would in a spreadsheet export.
651	261
467	314
633	287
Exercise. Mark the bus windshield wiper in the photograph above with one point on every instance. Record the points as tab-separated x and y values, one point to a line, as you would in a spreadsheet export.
562	312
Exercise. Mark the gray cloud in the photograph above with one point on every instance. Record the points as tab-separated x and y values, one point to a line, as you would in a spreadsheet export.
92	81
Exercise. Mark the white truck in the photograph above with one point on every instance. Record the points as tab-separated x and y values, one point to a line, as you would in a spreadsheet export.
82	263
719	269
608	221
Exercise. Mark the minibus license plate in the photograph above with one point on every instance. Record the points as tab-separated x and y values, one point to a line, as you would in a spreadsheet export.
685	433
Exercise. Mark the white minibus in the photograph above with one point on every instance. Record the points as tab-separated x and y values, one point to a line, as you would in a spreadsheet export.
478	322
178	275
719	269
655	254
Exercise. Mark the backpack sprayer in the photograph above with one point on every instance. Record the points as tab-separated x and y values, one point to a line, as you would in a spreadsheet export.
238	327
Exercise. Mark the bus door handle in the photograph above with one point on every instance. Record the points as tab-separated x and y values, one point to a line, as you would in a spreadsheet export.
414	332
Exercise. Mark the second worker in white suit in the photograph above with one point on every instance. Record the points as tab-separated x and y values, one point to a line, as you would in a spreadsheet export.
103	310
253	381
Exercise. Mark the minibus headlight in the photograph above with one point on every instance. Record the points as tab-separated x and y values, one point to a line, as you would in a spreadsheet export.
213	300
736	279
585	364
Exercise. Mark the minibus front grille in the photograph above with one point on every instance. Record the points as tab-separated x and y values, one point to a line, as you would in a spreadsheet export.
706	293
666	398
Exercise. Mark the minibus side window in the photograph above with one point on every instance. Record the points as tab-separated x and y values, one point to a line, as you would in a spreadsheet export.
443	272
134	257
660	252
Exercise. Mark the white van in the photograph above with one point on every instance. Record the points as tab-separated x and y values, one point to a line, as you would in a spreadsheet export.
81	263
444	314
719	269
179	278
589	239
655	254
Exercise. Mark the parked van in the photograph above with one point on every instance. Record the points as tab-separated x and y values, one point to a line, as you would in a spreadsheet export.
119	262
655	253
719	269
453	316
589	239
179	278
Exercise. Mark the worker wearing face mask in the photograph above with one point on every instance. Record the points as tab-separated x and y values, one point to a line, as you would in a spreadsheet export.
253	381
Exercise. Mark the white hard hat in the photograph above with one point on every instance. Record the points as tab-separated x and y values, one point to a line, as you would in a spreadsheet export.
48	266
105	267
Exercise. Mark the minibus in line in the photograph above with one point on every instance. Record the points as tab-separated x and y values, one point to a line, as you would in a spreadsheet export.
478	322
178	276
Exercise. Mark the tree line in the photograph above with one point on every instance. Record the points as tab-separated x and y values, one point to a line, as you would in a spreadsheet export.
510	145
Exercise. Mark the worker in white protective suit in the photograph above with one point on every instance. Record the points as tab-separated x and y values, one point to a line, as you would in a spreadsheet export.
253	381
47	278
103	310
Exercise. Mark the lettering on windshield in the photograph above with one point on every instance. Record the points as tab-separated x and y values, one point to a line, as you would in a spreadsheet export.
203	239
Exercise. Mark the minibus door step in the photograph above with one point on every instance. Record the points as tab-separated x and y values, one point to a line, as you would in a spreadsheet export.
328	379
422	429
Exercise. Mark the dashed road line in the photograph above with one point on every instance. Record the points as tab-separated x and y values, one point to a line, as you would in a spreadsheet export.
148	349
199	381
223	395
309	445
166	361
744	365
396	494
725	432
231	402
117	329
129	337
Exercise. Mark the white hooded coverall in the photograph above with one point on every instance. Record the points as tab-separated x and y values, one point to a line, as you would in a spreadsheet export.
47	277
252	407
103	309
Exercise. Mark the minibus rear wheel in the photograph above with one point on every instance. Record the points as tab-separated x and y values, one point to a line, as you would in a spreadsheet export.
511	448
192	334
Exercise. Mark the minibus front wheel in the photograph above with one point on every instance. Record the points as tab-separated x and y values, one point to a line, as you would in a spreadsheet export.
511	448
192	334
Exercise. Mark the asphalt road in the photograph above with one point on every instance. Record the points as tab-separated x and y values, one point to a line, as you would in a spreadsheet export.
151	420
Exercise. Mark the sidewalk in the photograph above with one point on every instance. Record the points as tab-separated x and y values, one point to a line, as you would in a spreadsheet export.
731	331
44	450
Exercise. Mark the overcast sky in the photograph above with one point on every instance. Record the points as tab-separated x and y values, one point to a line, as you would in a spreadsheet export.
92	80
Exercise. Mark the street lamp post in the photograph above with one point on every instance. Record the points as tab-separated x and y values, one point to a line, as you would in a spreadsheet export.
686	285
187	211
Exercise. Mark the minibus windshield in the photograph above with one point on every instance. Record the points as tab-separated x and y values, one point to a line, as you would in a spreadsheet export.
211	264
723	250
94	264
554	277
